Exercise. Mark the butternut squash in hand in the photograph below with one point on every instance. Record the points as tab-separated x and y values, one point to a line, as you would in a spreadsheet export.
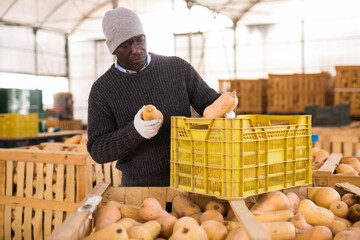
224	104
215	230
150	112
314	214
318	233
272	201
183	206
151	209
113	231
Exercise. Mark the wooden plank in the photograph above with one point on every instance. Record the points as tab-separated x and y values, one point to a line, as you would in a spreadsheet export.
59	195
348	149
20	170
248	221
336	147
330	164
116	175
99	173
70	183
28	194
6	180
107	172
80	180
39	195
48	196
76	221
56	157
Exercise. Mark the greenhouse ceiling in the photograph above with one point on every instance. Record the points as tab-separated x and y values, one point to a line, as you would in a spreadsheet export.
69	16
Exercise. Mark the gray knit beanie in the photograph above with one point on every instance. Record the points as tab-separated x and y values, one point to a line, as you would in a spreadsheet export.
119	25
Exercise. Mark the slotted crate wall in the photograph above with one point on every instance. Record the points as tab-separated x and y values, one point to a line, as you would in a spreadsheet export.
291	93
250	92
38	188
347	88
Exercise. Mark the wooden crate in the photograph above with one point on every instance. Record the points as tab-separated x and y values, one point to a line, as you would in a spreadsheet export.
345	140
78	224
325	175
251	94
64	125
38	188
291	93
347	88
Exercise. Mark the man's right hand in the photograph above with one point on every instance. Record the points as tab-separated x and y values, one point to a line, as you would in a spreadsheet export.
146	129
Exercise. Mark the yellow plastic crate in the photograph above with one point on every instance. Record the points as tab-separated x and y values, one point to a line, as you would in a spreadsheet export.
18	125
239	157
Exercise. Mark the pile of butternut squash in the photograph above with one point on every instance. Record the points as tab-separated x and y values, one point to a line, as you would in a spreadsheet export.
319	156
348	166
322	215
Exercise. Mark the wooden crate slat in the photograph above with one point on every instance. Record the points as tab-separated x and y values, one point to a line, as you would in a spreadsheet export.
99	173
59	195
70	183
107	173
2	192
28	194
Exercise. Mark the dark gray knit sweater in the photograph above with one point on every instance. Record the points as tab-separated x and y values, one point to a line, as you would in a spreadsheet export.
169	83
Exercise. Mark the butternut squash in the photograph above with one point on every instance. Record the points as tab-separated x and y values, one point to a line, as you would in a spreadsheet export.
344	168
338	226
128	222
272	201
113	231
215	205
339	208
321	155
347	222
167	224
356	224
280	230
348	235
293	199
299	222
131	211
106	215
273	216
354	213
189	232
151	112
314	214
325	196
197	216
214	230
151	209
230	216
115	204
312	192
223	104
238	234
184	221
146	231
317	232
211	215
231	225
73	140
349	199
183	206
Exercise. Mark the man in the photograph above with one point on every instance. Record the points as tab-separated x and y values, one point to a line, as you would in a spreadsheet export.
116	130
